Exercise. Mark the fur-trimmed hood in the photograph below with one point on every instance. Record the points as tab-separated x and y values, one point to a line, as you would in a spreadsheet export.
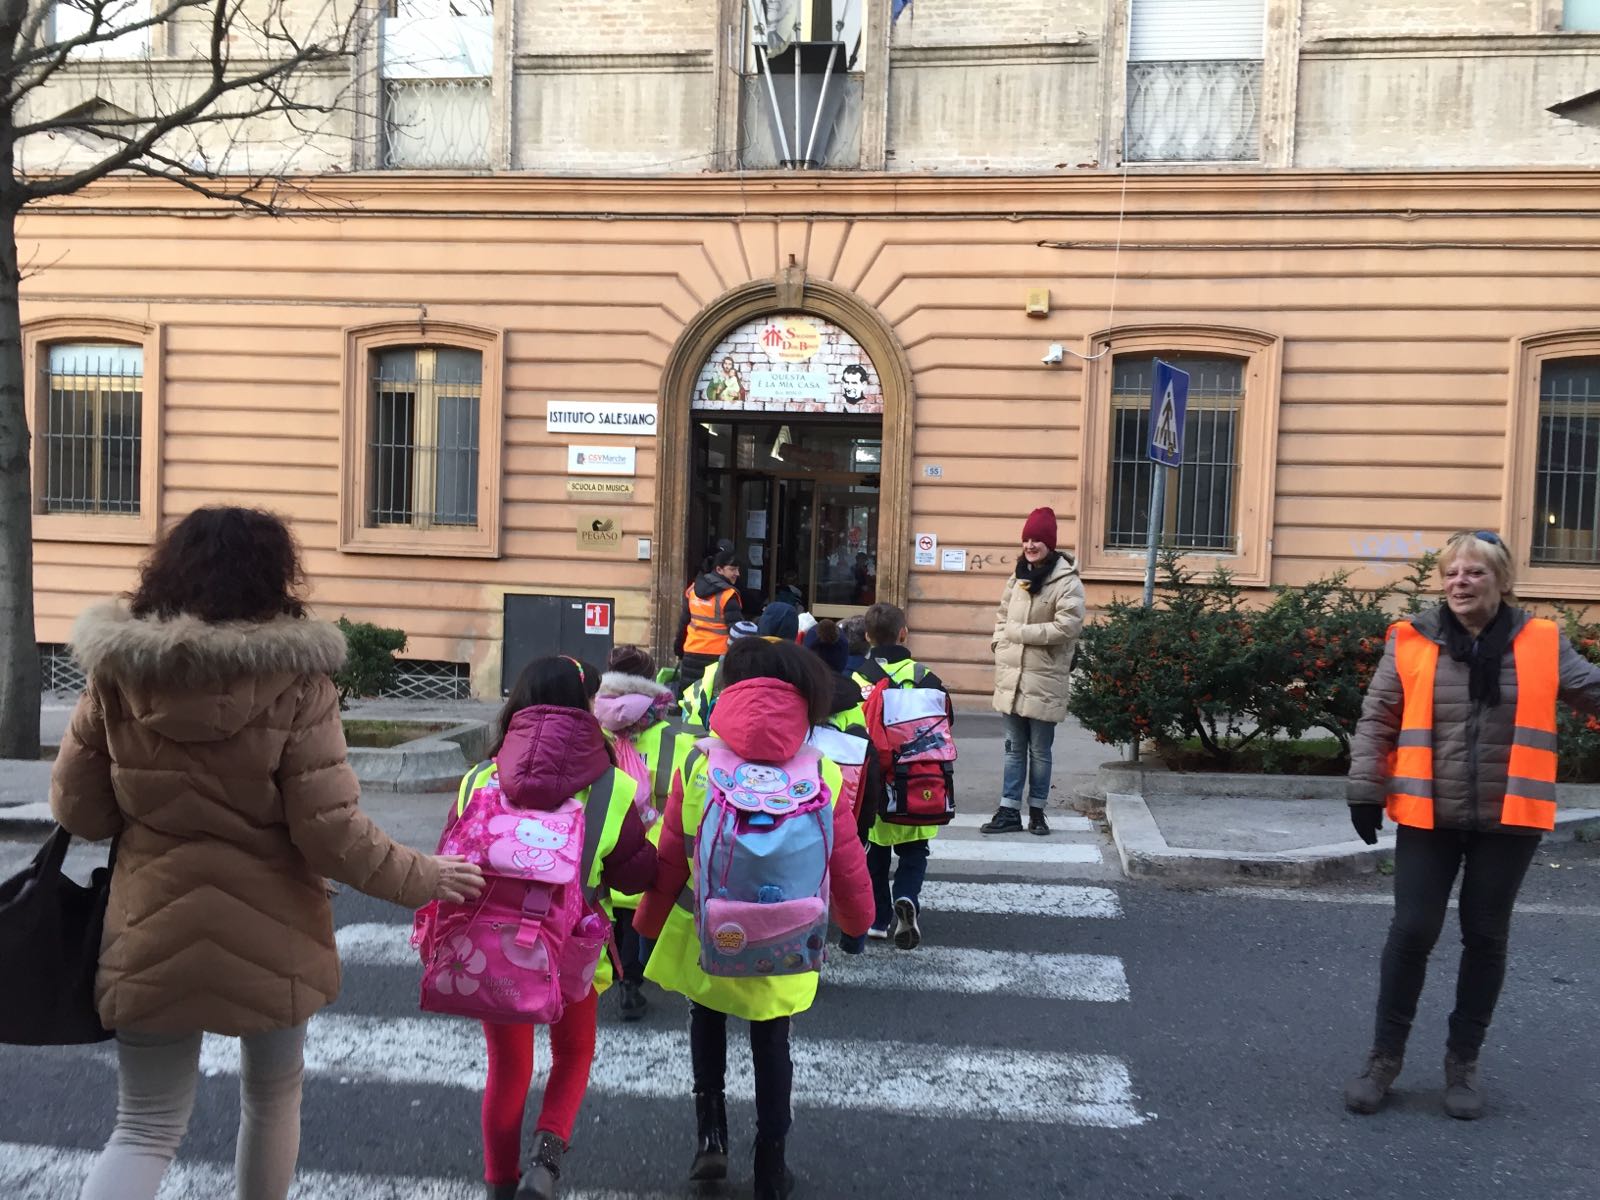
195	681
628	703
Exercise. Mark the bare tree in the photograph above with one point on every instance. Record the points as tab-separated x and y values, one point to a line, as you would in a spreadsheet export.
241	97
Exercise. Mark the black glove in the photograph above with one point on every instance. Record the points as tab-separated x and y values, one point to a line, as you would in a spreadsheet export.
1368	819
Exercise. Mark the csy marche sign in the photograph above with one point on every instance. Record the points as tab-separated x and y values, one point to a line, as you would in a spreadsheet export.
600	416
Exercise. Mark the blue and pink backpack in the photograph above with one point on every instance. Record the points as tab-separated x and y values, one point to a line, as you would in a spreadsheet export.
761	858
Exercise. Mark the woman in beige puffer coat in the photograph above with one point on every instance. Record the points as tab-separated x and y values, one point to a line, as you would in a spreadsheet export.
1035	636
208	741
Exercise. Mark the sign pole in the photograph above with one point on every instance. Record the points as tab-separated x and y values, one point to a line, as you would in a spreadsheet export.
1158	513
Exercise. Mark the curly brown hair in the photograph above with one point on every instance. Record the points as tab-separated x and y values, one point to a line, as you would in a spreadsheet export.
222	564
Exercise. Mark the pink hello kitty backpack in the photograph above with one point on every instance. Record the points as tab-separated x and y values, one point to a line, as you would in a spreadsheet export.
528	946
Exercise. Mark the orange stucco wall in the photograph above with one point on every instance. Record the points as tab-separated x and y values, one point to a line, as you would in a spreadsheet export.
1399	301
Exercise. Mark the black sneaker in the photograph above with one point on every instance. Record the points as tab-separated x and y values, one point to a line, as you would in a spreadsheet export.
1036	822
634	1004
907	933
1005	820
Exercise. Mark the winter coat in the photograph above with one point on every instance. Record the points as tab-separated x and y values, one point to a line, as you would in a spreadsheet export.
1471	743
1035	637
217	753
761	720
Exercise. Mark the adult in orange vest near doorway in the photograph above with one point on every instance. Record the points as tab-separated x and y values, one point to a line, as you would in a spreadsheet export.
1457	741
711	608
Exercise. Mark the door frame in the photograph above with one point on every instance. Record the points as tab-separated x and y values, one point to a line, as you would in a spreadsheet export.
792	292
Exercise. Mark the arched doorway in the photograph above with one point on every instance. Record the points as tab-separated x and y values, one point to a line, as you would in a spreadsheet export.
785	429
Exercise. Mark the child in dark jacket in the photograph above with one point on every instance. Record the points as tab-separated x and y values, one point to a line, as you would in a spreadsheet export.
552	749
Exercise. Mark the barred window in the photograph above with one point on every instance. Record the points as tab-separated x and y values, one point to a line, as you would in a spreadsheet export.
1201	509
1566	505
90	434
423	437
1194	80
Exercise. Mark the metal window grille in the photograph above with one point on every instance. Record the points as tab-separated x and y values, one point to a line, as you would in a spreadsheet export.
431	679
1208	111
1566	524
1200	509
60	672
91	431
423	445
436	123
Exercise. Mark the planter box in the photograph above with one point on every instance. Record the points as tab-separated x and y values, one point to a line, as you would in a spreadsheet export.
435	763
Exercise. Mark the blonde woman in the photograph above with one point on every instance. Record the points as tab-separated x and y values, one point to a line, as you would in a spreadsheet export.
1457	741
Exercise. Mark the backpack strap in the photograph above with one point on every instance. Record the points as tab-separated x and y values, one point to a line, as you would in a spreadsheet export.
871	671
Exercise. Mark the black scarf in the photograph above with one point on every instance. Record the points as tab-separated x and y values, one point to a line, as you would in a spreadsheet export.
1482	654
1034	574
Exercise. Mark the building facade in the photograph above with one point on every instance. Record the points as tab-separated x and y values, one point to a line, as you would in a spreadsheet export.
590	286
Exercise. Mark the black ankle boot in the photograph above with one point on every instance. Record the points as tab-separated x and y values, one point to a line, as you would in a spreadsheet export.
711	1142
500	1191
542	1180
773	1180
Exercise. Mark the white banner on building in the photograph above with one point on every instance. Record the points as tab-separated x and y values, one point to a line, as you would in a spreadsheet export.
600	416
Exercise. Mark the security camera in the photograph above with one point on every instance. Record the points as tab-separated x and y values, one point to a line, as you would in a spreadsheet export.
1053	355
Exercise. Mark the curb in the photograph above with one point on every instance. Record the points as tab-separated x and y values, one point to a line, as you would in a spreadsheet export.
425	765
1145	853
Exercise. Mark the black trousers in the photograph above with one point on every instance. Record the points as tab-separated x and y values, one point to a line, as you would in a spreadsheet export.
1426	861
629	949
769	1056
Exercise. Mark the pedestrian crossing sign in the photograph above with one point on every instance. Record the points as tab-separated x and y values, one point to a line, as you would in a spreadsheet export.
1169	404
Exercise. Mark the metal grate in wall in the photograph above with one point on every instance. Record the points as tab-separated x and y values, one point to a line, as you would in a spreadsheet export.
431	679
1566	488
1194	111
1200	509
60	672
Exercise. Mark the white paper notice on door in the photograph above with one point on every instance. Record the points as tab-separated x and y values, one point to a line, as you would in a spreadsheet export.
755	556
755	525
754	581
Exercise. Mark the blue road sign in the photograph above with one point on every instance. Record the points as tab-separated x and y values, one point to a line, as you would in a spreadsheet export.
1169	403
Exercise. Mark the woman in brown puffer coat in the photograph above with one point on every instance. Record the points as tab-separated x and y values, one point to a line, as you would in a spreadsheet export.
1035	636
208	741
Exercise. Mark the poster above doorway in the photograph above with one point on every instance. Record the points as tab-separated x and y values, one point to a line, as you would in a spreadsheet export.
787	362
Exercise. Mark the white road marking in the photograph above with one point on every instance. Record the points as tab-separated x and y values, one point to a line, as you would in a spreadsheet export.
1013	850
1095	978
33	1172
1532	908
1035	899
985	1083
1059	822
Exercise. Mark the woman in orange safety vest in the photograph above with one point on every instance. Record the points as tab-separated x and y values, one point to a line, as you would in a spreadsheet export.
1457	742
711	608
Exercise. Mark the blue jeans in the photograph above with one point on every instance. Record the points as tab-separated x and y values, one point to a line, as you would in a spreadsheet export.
1028	743
908	877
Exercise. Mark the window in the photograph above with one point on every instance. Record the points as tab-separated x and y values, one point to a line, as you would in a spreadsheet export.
421	437
802	97
1580	16
73	18
424	437
1219	503
1194	80
435	61
1200	508
90	438
94	412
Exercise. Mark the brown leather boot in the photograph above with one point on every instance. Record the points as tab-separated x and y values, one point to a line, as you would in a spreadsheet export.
1463	1098
1365	1093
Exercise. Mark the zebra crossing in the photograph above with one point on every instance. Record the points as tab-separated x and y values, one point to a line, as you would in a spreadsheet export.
374	1048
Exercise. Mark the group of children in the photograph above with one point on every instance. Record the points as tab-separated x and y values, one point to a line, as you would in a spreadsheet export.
774	753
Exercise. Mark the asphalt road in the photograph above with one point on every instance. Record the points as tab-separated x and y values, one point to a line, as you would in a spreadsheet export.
1133	1041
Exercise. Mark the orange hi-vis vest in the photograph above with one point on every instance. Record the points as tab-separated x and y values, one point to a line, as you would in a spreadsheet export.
1530	775
708	623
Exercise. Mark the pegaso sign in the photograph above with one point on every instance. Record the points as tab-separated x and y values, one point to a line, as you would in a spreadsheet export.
600	416
600	460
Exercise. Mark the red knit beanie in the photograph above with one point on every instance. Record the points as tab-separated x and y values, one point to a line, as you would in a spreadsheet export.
1041	527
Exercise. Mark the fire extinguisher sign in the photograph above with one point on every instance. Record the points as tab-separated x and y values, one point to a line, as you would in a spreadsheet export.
597	618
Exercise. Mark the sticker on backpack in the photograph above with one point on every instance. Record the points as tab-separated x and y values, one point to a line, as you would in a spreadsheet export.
525	844
762	787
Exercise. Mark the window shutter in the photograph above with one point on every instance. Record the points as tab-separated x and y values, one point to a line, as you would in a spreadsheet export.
1186	30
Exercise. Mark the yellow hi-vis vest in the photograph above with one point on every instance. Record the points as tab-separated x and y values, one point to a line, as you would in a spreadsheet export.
664	747
1530	798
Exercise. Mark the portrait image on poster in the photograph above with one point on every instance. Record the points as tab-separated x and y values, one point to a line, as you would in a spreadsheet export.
789	362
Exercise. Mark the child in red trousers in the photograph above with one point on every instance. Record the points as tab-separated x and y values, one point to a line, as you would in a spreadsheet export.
552	749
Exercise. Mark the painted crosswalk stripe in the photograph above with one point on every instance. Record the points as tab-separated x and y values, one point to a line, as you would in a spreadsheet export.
1096	978
1037	899
35	1172
988	1083
1060	822
1010	850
